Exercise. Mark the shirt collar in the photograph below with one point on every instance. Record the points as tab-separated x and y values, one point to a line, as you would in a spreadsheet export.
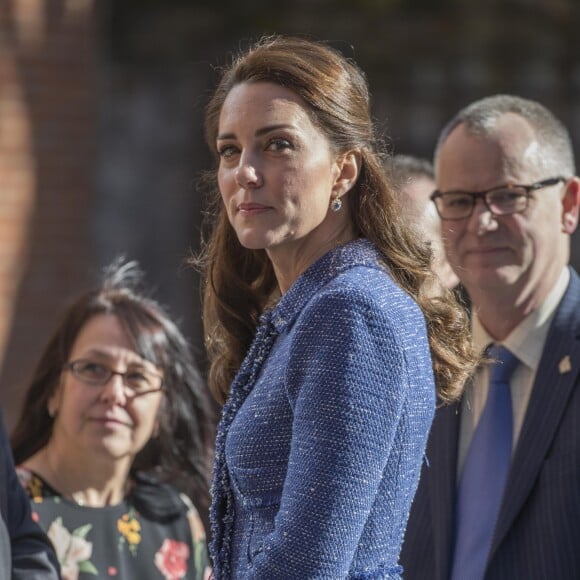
527	339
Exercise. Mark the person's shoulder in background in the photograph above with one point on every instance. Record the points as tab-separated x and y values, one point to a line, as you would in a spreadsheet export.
31	554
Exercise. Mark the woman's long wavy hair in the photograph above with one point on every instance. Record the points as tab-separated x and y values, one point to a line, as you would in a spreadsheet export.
184	440
239	283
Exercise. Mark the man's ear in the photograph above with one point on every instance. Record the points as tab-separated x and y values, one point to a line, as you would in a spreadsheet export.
571	205
349	166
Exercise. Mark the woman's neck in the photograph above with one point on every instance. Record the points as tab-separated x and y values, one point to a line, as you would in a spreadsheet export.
88	480
291	260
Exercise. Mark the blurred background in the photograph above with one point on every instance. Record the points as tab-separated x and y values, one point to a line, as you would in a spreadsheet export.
101	137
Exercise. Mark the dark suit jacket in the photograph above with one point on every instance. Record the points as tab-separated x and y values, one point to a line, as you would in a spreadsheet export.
538	530
25	551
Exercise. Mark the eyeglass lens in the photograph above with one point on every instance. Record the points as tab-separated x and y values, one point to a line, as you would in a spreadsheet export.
504	201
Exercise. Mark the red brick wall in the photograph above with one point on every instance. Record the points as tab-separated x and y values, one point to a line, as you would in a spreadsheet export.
47	126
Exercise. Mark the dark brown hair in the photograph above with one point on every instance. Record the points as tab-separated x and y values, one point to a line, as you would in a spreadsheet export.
239	283
184	440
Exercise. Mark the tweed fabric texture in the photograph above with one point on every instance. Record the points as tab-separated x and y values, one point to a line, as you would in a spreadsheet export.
320	444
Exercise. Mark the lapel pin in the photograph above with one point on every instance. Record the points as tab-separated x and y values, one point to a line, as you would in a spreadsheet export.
565	366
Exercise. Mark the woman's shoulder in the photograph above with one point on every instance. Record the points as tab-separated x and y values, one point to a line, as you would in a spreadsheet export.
164	504
157	500
367	289
33	484
194	519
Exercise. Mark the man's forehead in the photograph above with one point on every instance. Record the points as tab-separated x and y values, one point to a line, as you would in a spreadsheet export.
507	151
516	137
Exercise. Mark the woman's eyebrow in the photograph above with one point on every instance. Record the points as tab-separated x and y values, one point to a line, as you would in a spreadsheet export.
132	363
259	132
97	352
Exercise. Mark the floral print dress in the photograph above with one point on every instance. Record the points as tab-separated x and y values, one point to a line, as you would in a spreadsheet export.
117	542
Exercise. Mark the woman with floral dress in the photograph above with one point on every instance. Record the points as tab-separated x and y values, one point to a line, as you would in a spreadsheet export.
115	410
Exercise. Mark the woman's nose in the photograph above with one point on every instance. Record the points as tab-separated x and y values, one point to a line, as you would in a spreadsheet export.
113	391
247	175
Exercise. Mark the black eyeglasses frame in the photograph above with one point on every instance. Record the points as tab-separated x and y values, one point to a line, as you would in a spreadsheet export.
71	366
475	195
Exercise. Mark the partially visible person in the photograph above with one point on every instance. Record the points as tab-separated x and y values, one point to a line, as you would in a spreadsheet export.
25	551
114	413
415	181
500	496
319	332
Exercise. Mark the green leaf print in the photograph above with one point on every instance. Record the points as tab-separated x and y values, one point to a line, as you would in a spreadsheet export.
82	531
88	568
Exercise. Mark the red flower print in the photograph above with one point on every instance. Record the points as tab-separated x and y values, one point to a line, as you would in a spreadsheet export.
171	559
112	571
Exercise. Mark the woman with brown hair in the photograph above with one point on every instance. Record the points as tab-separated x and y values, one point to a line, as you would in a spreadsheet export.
319	325
114	415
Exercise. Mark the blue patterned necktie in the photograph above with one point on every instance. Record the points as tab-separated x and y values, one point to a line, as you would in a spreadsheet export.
485	472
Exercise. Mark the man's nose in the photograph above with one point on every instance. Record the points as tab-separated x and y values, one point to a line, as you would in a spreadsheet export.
481	220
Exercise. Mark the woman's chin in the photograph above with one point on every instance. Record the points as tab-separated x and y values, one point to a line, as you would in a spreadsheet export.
255	242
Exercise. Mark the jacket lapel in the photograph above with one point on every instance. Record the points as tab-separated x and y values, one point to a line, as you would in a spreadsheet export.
557	374
442	485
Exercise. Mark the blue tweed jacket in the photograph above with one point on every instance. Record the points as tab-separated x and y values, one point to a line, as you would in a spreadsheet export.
320	445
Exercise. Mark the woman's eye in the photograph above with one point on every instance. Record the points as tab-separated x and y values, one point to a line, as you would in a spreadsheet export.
227	151
94	369
279	144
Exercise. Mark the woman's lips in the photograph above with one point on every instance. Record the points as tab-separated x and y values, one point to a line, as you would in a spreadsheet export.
109	421
252	208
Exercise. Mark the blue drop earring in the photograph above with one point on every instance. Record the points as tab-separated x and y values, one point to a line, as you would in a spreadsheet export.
335	202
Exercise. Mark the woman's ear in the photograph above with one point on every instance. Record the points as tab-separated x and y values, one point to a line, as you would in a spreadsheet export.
349	166
55	400
53	403
162	416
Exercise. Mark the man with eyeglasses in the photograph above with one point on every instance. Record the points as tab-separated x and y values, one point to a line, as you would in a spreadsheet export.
499	496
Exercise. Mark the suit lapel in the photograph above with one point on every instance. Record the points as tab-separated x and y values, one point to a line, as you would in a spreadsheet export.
557	373
442	484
